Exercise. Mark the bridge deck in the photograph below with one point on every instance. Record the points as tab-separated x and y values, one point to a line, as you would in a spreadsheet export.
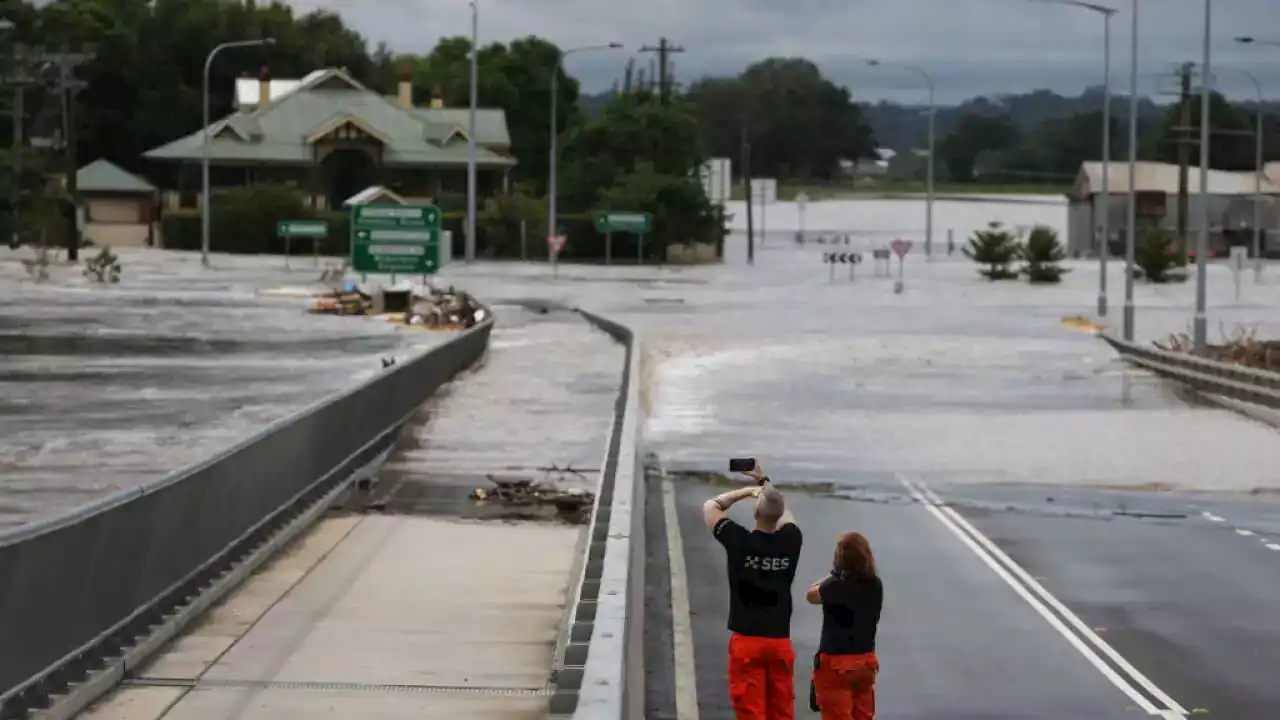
415	612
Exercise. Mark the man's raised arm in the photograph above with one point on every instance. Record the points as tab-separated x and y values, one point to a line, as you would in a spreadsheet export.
713	510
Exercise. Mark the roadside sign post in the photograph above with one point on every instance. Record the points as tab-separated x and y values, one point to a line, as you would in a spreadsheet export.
314	229
1238	255
613	221
802	202
395	239
900	248
554	245
608	248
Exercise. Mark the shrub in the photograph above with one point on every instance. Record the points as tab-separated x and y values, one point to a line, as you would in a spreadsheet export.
500	225
1042	254
244	222
996	249
103	267
1157	254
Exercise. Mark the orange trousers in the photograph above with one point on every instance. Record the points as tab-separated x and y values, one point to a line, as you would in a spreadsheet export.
762	678
846	686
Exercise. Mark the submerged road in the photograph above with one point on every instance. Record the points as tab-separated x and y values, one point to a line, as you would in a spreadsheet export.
1090	609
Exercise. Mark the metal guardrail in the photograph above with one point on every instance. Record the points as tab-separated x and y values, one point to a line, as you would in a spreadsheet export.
1237	382
81	589
599	667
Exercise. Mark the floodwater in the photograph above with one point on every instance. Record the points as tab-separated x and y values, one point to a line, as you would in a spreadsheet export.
956	380
104	388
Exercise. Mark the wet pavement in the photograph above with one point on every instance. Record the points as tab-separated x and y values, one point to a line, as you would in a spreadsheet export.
104	388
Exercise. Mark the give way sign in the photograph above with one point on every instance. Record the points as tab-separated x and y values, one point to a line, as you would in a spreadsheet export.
555	243
900	247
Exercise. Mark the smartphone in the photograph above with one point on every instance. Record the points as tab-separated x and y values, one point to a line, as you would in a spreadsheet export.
742	465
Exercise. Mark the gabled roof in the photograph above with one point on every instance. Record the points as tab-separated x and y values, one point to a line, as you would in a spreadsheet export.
278	132
102	176
374	193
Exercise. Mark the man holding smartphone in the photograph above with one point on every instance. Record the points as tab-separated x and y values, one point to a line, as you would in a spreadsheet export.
762	566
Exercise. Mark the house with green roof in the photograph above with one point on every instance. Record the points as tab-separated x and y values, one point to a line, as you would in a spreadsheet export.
331	137
120	207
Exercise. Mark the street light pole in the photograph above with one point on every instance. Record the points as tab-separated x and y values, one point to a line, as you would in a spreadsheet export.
1260	162
1132	229
470	253
1106	13
1201	322
929	172
206	203
555	106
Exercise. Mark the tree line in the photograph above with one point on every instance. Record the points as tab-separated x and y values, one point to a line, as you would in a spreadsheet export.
637	148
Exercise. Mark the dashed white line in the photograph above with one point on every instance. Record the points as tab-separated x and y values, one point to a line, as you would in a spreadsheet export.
1003	566
1243	532
681	620
1212	518
1273	546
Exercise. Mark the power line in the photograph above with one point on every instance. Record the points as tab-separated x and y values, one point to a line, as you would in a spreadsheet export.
664	50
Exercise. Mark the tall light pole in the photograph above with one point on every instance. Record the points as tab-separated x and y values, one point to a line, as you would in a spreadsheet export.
1260	162
1106	13
1200	324
555	106
206	202
470	246
1131	232
928	201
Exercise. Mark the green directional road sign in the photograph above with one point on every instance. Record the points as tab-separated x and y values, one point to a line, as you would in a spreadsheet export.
302	228
640	223
395	239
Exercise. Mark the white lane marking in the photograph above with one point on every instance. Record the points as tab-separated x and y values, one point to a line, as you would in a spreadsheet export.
1212	518
681	621
1273	546
1245	533
994	558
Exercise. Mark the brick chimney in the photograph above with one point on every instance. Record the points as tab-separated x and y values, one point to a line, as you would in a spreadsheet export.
437	97
264	86
404	92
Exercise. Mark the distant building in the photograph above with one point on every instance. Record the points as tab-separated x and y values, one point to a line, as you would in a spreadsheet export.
331	137
869	166
120	207
1230	200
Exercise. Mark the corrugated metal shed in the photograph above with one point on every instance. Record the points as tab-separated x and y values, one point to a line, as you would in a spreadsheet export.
1163	177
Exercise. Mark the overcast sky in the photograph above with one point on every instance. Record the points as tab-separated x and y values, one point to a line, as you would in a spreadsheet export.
971	47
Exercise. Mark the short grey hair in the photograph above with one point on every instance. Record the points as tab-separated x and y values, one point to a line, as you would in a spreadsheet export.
770	505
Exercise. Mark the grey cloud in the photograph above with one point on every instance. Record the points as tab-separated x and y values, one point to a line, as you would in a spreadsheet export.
970	46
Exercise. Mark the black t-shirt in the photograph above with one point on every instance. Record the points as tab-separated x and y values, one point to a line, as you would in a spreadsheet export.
850	613
762	567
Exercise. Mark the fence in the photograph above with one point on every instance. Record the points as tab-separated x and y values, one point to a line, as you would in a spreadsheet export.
78	590
599	667
1237	382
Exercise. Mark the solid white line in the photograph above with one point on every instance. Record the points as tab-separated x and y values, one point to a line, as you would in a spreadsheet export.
1071	618
681	622
1246	533
995	558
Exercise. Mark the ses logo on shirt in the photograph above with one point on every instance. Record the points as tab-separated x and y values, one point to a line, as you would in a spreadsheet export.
753	562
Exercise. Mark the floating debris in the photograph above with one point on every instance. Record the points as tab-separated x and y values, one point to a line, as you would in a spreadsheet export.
572	503
420	307
1240	348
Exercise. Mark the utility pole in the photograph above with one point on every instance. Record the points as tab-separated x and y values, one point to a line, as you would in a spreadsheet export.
68	86
745	171
1184	154
19	78
664	51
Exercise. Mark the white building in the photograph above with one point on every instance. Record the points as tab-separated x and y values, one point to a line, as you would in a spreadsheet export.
1230	199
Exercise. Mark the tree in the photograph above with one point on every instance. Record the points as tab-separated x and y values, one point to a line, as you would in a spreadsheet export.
1041	256
1232	143
515	78
800	124
1157	255
996	249
974	135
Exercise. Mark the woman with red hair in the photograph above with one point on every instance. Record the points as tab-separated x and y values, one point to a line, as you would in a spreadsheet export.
844	674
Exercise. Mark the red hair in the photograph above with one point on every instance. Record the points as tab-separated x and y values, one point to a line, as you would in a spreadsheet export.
854	556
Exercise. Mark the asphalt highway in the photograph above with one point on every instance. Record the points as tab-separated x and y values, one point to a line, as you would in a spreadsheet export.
1108	607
